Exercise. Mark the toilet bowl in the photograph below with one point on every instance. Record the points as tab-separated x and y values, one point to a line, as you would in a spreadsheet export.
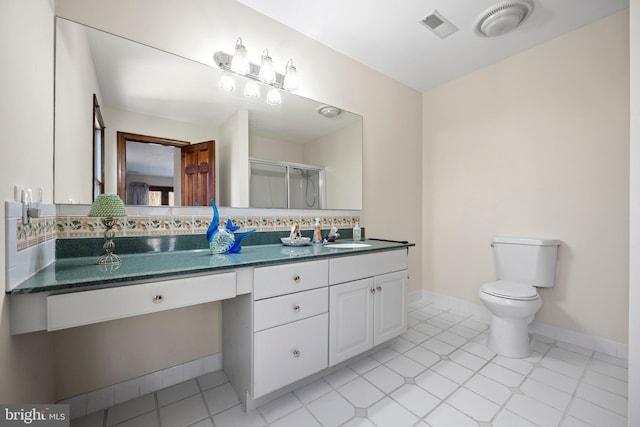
513	306
522	265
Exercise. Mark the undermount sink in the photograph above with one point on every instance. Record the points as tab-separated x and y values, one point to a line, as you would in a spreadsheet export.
347	245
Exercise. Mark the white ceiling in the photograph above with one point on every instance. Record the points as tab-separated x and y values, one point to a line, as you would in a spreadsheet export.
386	35
150	159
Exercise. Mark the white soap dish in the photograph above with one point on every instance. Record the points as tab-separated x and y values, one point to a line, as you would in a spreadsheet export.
300	241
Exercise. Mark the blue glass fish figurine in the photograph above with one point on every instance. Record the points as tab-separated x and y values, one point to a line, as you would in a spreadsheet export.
223	240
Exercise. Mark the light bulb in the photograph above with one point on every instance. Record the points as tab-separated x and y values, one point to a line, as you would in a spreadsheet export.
267	73
226	82
273	97
240	61
291	80
251	90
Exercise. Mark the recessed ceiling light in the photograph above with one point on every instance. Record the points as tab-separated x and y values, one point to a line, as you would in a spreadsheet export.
329	111
503	18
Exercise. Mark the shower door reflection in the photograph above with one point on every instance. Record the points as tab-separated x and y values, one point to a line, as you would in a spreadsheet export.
285	185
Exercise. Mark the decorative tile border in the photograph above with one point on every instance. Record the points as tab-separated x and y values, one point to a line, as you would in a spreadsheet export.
71	227
39	230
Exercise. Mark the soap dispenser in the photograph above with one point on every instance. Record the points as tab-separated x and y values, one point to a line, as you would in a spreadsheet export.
356	233
317	236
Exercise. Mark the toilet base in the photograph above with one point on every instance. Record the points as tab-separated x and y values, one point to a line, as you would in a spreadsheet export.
510	337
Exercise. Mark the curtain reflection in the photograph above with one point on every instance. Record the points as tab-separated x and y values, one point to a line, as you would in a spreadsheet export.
138	193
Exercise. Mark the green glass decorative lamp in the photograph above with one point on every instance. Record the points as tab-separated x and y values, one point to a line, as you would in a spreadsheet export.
108	207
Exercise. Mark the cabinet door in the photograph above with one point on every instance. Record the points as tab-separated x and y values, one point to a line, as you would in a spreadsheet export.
390	310
350	316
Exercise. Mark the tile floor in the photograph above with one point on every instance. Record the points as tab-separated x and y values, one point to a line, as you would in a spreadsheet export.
440	373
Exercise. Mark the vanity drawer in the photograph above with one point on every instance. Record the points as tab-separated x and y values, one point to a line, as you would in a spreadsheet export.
277	311
284	279
82	308
346	269
288	353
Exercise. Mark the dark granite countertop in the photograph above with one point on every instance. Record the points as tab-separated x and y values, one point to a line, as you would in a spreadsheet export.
81	273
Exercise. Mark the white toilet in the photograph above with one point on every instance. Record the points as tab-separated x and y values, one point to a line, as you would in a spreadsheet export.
522	264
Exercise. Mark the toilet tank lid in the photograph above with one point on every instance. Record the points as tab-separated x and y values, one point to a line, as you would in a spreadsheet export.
526	241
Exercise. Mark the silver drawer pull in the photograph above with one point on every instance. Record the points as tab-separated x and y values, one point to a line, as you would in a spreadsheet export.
296	353
372	290
157	299
296	309
379	288
296	278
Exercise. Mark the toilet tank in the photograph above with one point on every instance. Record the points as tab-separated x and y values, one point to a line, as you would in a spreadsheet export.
526	260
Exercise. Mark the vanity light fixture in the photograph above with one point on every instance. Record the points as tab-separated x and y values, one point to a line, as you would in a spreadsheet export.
267	73
291	80
238	63
108	207
226	82
251	90
273	97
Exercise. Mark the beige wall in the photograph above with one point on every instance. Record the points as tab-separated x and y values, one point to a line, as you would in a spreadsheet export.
92	356
233	148
75	84
26	131
536	145
270	149
339	154
634	196
197	28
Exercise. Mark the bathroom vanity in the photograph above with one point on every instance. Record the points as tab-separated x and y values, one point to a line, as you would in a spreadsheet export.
288	313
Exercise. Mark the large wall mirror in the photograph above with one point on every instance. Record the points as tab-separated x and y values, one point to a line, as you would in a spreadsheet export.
153	106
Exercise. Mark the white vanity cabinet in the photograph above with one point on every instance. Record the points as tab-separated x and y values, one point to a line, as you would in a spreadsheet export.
366	312
290	323
303	317
278	334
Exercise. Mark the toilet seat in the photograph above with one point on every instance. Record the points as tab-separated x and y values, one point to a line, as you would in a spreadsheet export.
510	290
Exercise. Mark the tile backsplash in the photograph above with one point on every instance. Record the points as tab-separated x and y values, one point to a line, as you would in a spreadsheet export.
29	247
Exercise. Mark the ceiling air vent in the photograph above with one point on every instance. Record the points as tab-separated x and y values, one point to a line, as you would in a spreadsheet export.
438	24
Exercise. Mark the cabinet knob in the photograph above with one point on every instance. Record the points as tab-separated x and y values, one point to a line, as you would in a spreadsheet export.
296	353
157	299
296	309
296	278
379	288
372	290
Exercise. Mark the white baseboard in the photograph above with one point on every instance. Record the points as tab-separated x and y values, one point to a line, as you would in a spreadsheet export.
105	397
594	343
